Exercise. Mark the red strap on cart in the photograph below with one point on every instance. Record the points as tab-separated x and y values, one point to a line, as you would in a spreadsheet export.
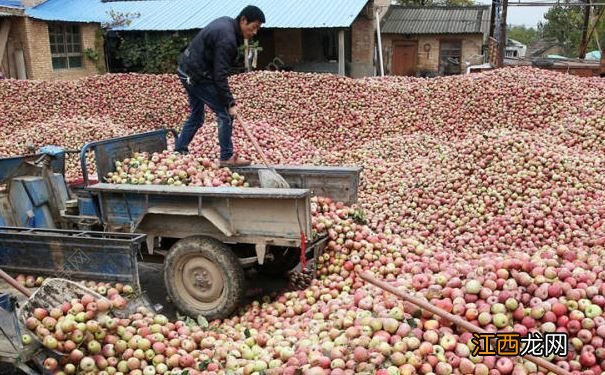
303	250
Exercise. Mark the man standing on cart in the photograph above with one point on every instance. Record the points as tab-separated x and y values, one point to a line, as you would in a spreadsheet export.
203	70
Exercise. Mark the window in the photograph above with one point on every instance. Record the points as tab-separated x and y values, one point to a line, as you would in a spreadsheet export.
329	44
65	46
512	53
450	54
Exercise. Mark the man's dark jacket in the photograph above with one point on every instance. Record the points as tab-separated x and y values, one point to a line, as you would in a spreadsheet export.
211	55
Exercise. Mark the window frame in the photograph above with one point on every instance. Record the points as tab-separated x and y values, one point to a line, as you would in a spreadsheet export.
68	36
442	65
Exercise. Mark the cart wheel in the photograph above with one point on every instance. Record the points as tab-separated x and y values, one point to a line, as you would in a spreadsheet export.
285	259
204	277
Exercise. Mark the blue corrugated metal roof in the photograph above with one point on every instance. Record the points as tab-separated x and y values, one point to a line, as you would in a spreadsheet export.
195	14
11	3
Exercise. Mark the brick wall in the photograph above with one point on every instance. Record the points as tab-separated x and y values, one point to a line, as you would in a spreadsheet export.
471	49
428	61
288	45
16	42
362	50
34	35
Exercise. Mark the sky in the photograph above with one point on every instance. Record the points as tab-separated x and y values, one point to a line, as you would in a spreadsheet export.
527	16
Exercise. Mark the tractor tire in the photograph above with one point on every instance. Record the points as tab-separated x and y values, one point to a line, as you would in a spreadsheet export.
204	277
286	258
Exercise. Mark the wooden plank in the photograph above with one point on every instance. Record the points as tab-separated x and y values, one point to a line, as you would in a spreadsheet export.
10	58
5	27
4	66
20	62
341	52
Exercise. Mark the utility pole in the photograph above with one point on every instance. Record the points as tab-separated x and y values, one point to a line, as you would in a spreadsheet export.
502	45
584	42
492	19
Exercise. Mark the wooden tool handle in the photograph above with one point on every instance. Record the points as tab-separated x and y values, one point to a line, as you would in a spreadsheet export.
15	284
253	140
452	318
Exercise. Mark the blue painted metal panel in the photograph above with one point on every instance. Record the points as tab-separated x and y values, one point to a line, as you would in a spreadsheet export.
86	206
196	14
5	302
21	204
31	193
9	165
36	188
108	151
71	254
124	209
43	217
74	259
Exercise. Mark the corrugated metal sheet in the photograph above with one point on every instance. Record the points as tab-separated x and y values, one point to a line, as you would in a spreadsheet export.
195	14
11	3
436	20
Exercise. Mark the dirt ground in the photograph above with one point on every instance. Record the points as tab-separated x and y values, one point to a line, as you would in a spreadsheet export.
151	276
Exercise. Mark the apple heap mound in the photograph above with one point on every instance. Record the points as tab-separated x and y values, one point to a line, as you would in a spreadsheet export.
88	339
167	168
483	194
71	133
103	288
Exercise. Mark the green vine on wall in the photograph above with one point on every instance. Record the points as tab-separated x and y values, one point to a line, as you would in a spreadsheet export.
117	19
91	54
151	53
99	46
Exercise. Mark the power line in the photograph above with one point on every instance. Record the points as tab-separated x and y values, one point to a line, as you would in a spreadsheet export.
544	3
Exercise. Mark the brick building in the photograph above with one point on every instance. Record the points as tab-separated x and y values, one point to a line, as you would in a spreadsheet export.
52	39
36	49
433	40
317	49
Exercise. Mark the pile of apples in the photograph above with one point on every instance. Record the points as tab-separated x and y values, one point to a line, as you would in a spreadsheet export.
29	281
483	193
103	288
87	339
168	168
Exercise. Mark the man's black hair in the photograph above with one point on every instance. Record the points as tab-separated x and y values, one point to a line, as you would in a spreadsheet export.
252	13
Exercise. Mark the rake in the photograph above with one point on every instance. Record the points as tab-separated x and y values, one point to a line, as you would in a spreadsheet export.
269	178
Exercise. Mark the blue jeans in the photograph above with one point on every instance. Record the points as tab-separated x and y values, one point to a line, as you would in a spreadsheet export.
199	96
